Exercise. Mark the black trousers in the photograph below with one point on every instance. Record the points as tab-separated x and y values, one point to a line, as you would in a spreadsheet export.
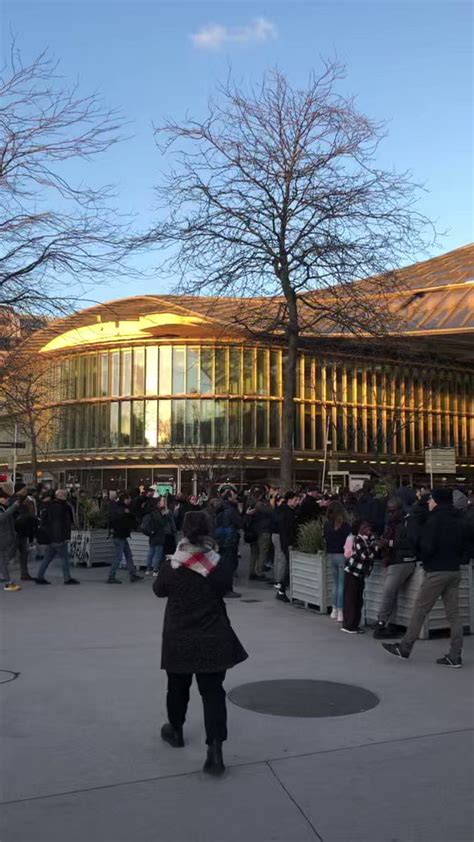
353	600
23	547
229	553
213	700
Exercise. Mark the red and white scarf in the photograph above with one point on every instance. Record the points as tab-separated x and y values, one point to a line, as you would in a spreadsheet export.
202	560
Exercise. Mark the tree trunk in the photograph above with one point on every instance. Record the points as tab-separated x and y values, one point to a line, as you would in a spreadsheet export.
289	394
34	459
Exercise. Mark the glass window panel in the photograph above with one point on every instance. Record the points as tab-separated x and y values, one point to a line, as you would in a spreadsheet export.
104	375
72	427
92	376
207	417
298	432
308	379
138	425
104	425
222	386
115	373
206	371
220	423
138	371
330	396
275	387
152	370
235	416
193	417
165	370
339	394
262	374
179	361
192	371
151	423
249	384
114	424
126	385
262	416
177	422
248	424
164	422
308	436
350	393
360	387
125	423
235	357
275	424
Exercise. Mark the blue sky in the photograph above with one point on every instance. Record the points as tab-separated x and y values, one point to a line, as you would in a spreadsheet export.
407	62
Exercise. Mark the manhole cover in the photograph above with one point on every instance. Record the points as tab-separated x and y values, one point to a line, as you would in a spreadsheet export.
8	675
303	697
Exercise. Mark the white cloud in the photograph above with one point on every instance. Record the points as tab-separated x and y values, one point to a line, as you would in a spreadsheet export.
215	35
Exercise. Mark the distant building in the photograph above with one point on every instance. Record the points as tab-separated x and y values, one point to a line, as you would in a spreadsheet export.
143	385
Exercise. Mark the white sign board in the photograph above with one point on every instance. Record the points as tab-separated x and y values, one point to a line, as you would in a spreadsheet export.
440	460
356	481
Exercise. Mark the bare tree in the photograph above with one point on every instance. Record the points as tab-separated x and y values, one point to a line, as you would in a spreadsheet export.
25	391
57	234
276	192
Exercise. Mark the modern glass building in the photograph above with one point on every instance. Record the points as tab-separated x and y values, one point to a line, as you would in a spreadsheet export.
143	388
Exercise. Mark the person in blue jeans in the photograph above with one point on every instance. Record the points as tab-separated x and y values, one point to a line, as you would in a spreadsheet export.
153	525
336	530
57	519
121	523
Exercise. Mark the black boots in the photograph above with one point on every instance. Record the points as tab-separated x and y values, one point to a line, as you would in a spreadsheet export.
173	736
214	764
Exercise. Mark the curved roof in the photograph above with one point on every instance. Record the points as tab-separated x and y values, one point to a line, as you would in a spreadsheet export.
430	299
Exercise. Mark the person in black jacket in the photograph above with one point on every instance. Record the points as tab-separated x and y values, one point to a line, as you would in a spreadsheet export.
443	547
336	531
286	521
309	508
258	525
228	523
154	525
198	638
122	522
398	544
57	519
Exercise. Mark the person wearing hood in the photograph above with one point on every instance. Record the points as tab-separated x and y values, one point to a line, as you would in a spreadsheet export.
9	507
398	544
198	638
443	548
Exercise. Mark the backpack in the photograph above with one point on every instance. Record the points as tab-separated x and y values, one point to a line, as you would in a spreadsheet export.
147	526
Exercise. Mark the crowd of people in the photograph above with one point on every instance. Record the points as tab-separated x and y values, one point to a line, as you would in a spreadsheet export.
194	556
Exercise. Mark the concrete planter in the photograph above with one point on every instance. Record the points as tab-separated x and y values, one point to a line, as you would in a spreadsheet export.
311	580
436	619
91	546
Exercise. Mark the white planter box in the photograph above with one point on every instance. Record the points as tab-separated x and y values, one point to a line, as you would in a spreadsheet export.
139	546
311	580
91	547
407	596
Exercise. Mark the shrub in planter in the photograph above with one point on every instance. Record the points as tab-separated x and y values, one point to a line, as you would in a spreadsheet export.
98	519
310	538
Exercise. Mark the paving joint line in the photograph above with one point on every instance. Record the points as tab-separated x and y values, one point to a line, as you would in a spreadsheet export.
262	762
294	801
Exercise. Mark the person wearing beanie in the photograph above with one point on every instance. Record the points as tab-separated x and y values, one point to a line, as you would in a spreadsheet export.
443	547
198	638
9	507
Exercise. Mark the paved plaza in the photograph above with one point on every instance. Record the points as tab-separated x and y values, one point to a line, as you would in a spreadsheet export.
82	761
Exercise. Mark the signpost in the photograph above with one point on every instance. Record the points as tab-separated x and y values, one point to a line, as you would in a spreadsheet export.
440	460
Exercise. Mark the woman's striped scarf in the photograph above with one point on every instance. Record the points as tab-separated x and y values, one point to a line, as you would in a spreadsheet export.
202	560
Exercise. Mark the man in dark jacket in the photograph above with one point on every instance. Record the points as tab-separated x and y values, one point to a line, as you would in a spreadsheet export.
286	519
309	508
228	523
258	524
122	522
399	546
371	508
153	525
442	547
57	519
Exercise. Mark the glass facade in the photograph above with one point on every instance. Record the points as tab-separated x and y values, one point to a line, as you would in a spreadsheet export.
174	395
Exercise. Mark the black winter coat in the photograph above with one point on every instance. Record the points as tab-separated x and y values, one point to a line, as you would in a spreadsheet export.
56	521
197	634
122	522
286	526
444	540
308	510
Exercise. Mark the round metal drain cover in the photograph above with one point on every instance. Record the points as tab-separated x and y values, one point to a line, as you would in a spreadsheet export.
303	697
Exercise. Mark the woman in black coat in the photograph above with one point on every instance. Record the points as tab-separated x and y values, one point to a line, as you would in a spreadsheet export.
197	636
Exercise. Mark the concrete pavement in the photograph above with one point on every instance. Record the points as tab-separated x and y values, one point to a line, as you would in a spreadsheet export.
81	759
